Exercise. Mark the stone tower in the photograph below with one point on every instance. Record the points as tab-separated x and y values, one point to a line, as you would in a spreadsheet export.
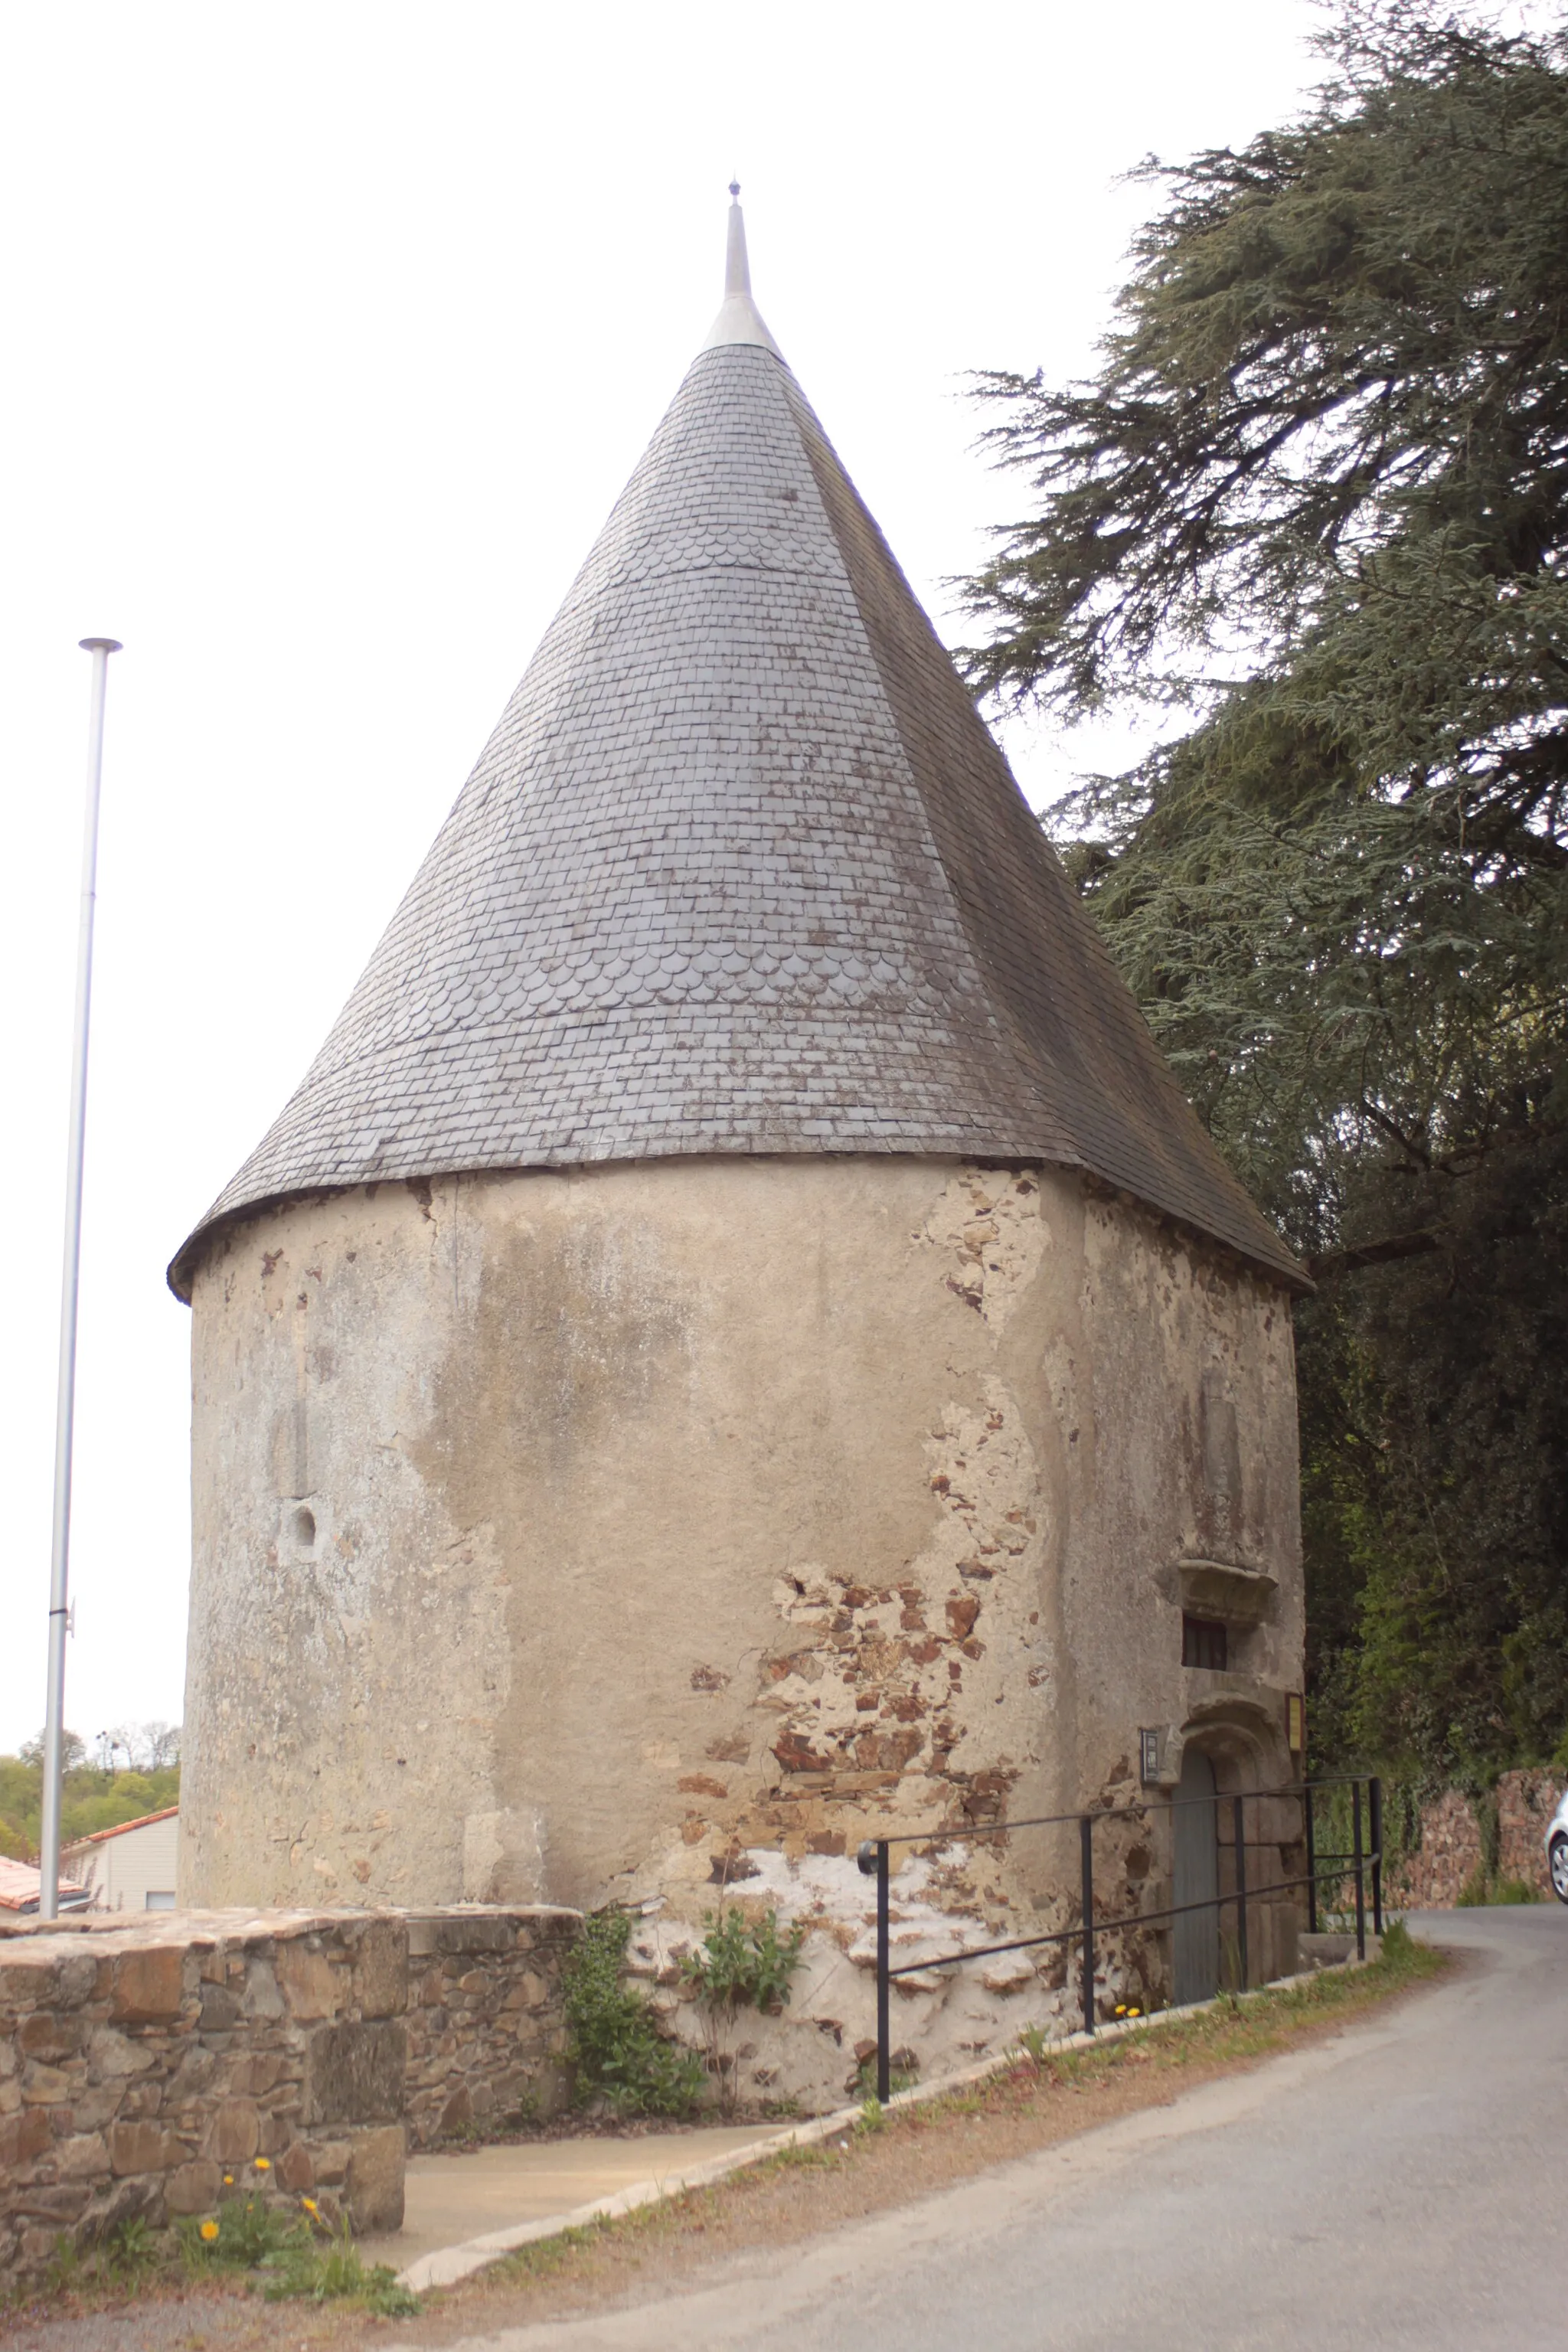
738	1338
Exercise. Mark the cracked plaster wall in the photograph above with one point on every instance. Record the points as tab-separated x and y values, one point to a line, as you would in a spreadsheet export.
636	1531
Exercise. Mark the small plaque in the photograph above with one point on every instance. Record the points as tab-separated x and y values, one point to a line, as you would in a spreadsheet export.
1296	1723
1149	1759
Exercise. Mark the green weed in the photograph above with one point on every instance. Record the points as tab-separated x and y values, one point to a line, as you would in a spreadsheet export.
63	2272
742	1964
335	2273
900	2078
620	2056
244	2233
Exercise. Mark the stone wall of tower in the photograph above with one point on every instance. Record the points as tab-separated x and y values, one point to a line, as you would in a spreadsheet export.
644	1528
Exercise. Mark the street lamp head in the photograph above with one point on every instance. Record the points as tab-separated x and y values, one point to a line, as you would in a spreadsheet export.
100	644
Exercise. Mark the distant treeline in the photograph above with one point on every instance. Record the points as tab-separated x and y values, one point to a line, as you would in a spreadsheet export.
133	1771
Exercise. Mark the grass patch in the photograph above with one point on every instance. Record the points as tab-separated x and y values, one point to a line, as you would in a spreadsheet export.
284	2258
248	2246
1251	2025
118	2264
335	2273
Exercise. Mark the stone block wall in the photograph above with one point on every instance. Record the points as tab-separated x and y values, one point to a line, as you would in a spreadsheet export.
143	2062
137	2067
486	2038
1452	1848
1449	1853
1525	1803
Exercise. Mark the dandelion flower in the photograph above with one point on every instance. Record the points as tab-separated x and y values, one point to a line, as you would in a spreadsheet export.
263	2164
228	2181
209	2231
310	2204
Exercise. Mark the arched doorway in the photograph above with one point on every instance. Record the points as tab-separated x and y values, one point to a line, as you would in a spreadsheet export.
1195	1933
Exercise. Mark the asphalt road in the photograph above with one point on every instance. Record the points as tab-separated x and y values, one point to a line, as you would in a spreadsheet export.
1402	2185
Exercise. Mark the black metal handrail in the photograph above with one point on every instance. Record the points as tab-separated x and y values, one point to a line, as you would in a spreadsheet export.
874	1861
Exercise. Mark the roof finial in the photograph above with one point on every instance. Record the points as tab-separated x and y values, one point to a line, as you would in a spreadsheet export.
737	270
738	320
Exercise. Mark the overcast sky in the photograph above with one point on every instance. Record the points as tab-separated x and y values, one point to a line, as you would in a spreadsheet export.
334	330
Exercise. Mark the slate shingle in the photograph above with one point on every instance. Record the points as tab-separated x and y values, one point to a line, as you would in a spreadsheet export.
740	870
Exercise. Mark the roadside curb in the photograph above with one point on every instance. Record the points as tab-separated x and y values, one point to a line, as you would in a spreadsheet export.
448	2264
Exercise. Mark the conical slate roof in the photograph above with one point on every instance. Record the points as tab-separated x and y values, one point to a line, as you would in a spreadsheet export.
740	870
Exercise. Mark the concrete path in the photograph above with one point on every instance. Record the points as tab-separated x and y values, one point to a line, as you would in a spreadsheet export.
1401	2186
451	2199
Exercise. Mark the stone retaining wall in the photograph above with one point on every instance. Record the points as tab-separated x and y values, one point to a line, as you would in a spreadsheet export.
149	2068
1432	1877
1452	1848
485	2040
1526	1803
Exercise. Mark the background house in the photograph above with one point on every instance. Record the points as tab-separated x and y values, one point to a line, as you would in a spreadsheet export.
131	1867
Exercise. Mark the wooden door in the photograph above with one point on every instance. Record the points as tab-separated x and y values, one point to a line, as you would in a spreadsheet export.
1195	1933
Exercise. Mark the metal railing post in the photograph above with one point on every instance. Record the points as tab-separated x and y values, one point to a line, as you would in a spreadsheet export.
1086	1851
884	2054
1375	1807
1238	1830
874	1860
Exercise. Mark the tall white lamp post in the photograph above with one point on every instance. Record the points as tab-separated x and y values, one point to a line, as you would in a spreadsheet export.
59	1568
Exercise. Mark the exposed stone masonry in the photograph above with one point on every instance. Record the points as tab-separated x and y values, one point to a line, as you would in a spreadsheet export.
486	2042
1455	1844
144	2068
878	1696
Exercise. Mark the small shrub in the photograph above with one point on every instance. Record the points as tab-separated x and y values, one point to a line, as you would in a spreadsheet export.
1515	1890
620	2056
1475	1892
738	1964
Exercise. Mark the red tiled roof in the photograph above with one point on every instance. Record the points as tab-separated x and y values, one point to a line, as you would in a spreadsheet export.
20	1884
143	1820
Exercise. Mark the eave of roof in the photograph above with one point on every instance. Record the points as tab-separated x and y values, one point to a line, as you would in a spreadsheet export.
142	1821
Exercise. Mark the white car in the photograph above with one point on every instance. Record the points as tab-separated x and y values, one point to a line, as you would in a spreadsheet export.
1557	1850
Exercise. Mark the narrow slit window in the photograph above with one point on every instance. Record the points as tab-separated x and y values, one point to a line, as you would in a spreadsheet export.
1204	1644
